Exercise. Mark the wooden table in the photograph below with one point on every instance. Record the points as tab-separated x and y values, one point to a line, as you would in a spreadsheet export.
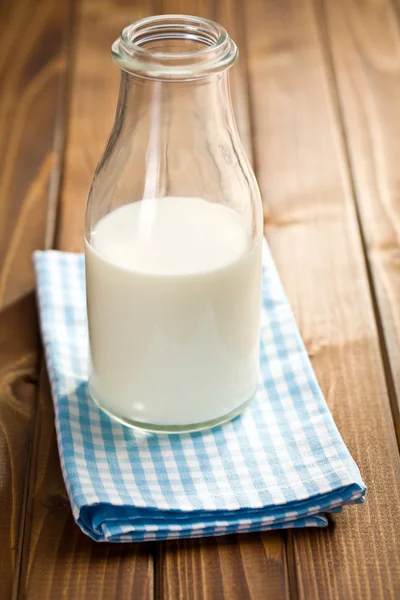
317	100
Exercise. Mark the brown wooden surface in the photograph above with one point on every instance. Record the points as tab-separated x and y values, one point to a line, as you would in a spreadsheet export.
364	47
316	98
33	62
246	566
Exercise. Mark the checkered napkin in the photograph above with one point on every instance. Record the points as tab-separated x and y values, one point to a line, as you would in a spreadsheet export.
281	464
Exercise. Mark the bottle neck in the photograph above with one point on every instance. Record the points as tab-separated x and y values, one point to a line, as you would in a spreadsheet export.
175	122
197	101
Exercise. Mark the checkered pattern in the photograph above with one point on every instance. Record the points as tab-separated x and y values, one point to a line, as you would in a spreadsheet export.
281	464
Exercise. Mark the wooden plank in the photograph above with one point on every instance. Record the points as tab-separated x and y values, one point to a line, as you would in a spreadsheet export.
364	45
59	560
33	47
312	229
242	567
18	391
32	68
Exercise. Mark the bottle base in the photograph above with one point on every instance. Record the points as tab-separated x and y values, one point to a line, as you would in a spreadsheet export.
168	429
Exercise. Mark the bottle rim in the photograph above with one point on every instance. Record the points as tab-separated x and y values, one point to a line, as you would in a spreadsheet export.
134	51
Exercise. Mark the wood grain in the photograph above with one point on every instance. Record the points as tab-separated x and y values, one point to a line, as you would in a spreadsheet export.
33	58
311	224
18	390
364	47
59	561
244	566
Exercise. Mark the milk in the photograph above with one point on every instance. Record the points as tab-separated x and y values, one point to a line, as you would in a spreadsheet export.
173	292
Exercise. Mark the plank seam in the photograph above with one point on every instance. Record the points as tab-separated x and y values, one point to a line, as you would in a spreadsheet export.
291	565
61	137
26	512
396	11
29	462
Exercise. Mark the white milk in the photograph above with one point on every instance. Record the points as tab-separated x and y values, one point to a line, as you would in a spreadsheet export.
174	307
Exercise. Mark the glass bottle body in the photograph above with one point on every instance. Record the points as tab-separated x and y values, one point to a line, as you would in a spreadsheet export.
173	256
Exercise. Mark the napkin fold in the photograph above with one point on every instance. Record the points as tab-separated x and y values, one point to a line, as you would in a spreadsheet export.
281	464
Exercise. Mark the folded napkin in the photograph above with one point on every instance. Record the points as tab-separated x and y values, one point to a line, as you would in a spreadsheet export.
281	464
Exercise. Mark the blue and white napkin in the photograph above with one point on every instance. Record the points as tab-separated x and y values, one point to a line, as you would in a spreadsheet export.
281	464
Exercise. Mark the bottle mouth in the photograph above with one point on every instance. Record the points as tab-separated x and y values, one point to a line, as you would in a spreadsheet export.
174	47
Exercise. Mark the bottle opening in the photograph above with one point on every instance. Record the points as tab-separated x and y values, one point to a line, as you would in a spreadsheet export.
174	47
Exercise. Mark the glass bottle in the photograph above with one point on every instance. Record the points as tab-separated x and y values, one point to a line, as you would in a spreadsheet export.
173	237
